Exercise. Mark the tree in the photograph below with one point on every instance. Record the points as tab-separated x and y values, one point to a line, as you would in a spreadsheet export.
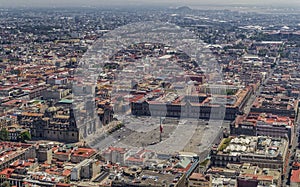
3	134
5	184
230	92
262	52
24	136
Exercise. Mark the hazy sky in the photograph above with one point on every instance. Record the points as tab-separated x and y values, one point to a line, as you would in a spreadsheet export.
52	3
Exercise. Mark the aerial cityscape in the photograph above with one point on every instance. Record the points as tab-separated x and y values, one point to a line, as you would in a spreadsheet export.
148	95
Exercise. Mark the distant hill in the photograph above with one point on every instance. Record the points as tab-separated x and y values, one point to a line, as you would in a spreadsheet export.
183	8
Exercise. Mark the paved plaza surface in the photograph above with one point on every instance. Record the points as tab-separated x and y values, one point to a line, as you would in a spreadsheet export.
189	135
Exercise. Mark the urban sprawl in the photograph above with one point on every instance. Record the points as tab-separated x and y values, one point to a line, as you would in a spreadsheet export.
151	114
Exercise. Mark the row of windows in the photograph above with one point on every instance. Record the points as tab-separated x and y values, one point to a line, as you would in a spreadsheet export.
67	133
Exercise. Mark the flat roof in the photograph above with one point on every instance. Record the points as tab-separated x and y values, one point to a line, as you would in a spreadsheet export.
67	101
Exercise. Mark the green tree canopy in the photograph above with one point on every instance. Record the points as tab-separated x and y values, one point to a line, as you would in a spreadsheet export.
5	184
24	136
3	134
